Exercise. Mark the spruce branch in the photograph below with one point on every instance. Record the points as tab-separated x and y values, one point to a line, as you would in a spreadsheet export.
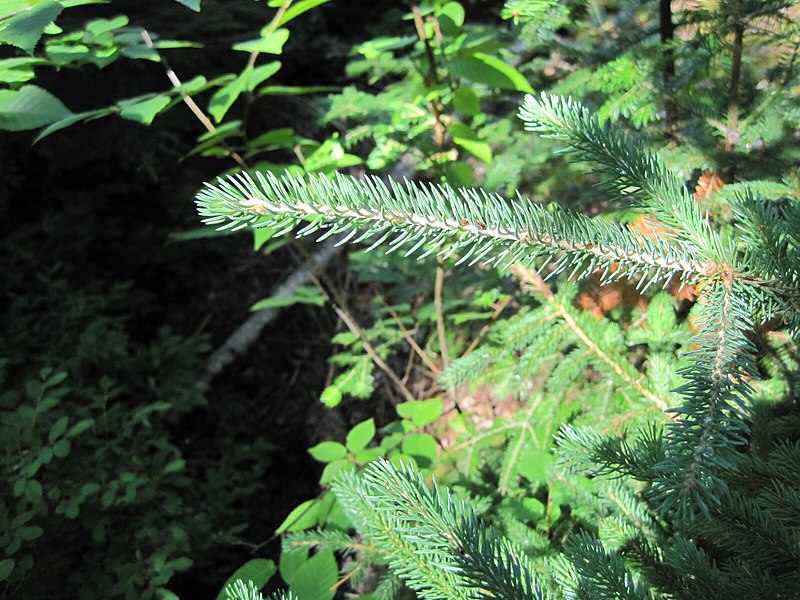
633	171
602	573
711	421
436	544
436	218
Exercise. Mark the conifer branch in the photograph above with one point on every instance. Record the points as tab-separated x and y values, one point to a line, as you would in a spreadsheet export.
602	574
633	171
441	219
437	545
710	423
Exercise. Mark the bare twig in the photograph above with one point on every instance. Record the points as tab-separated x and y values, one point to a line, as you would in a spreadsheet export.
409	338
437	301
189	101
347	319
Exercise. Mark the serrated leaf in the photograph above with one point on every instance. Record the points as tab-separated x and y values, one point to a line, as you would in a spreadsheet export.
360	435
24	29
257	570
30	107
328	451
491	71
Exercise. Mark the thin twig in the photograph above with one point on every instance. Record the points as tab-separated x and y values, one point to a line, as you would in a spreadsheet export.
486	328
437	301
408	337
189	101
340	307
379	362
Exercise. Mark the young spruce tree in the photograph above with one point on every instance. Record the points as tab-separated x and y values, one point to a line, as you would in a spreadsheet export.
718	516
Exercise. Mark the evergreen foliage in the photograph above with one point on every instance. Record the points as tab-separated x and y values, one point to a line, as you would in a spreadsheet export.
687	468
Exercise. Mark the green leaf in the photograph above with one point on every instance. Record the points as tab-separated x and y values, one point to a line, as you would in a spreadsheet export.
491	71
34	491
61	448
18	70
296	89
100	26
302	517
451	18
533	463
328	451
328	156
257	570
143	111
58	428
332	470
30	107
304	294
6	568
24	29
315	578
173	466
193	4
421	412
71	120
464	317
422	447
80	427
271	42
360	435
224	97
466	102
30	533
261	236
298	8
469	140
261	73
